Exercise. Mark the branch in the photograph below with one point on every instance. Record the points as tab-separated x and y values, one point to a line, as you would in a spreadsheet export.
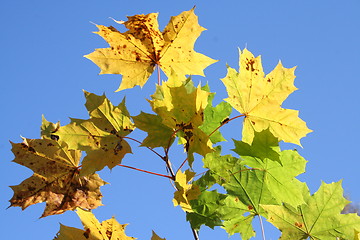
141	170
146	147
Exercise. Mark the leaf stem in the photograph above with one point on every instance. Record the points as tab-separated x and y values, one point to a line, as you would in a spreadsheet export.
146	147
141	170
158	74
225	122
169	167
262	228
182	164
195	234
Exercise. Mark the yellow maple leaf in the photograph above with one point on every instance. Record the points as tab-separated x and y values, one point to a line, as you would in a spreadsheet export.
56	178
183	116
94	230
185	190
135	53
259	98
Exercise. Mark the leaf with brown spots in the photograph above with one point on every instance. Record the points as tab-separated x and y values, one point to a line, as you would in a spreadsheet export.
259	98
135	53
184	116
101	136
56	179
94	230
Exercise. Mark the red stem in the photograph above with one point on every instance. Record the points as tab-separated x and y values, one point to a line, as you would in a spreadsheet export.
225	122
182	164
141	170
146	147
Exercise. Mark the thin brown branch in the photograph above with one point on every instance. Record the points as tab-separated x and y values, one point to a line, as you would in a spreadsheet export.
182	164
158	154
141	170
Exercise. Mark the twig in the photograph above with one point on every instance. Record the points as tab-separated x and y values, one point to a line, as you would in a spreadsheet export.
141	170
225	122
146	147
182	164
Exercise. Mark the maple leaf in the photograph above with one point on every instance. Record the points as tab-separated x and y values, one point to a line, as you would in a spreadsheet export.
56	179
101	136
158	133
48	128
156	237
274	168
214	116
135	52
94	230
205	209
319	218
259	98
185	190
262	175
185	116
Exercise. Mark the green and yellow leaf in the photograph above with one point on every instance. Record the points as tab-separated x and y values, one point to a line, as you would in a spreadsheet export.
259	98
183	116
101	136
319	218
185	191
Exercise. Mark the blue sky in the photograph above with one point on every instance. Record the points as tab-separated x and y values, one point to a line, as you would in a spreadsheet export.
43	72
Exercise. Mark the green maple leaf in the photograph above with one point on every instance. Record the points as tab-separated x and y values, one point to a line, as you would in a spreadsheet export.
262	175
159	135
276	169
319	218
101	136
245	192
184	116
205	210
259	98
135	53
213	117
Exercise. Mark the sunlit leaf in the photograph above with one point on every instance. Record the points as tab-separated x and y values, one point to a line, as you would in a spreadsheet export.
134	53
259	98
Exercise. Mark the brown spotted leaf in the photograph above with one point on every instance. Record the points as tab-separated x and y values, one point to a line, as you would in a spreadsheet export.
184	116
134	53
56	179
259	98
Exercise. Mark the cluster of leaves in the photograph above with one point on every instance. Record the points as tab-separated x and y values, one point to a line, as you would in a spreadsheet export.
259	181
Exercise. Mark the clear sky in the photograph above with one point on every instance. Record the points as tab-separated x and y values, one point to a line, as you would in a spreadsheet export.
43	72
